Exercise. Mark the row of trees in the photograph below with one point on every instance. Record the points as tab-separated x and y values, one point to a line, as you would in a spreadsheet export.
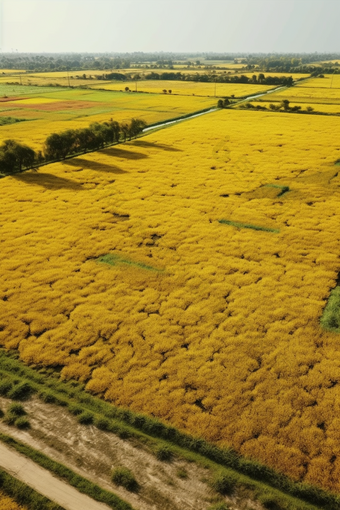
283	106
222	78
14	157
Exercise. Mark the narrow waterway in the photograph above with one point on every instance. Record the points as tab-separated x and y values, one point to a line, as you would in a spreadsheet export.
188	117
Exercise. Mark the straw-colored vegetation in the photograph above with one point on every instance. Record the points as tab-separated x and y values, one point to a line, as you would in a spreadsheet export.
7	503
212	327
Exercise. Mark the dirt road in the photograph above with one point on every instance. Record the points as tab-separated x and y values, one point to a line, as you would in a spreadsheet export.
43	482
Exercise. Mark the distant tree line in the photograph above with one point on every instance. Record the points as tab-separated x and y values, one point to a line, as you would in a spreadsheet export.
286	63
15	157
222	78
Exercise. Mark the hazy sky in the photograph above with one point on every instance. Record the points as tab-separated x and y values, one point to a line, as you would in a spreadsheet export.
170	25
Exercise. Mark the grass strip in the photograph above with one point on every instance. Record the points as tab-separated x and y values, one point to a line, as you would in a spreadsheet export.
330	319
248	225
284	189
9	120
24	495
81	484
113	260
125	423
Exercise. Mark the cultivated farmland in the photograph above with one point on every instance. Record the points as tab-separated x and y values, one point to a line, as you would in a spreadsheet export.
199	259
46	110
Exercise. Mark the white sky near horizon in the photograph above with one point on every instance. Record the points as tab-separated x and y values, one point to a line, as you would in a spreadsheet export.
252	26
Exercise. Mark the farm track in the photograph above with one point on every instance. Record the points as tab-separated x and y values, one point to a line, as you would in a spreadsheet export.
42	481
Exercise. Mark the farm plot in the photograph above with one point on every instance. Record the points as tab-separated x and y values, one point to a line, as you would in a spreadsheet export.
184	275
57	110
188	88
316	90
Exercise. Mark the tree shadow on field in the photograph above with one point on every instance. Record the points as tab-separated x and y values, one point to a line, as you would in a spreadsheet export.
146	145
122	153
95	165
48	181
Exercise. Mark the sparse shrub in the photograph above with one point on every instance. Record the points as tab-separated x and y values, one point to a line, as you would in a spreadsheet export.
5	387
164	453
219	506
16	409
85	418
270	502
20	391
124	477
47	397
224	483
10	418
102	423
123	434
1	413
22	422
75	409
181	473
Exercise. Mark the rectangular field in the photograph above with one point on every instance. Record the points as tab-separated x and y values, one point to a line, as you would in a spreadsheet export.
184	275
47	110
188	88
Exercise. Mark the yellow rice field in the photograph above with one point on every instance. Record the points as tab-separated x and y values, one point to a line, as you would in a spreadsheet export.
7	503
329	82
115	266
188	87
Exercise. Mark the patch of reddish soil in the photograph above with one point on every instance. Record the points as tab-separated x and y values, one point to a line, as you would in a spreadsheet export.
62	105
6	99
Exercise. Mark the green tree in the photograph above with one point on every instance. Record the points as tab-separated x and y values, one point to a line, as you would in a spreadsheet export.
136	127
285	104
15	156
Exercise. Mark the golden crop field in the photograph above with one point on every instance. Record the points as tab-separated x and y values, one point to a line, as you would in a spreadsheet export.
313	90
58	110
188	87
7	503
184	275
329	82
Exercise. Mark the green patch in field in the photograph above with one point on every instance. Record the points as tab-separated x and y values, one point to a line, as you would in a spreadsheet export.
283	189
248	225
114	260
9	120
337	162
330	319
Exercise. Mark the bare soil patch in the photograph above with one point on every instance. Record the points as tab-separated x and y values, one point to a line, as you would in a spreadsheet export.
94	453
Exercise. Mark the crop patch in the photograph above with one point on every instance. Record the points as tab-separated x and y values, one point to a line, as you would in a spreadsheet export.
248	225
115	260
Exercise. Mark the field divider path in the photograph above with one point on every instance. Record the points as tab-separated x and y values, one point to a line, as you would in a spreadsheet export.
45	483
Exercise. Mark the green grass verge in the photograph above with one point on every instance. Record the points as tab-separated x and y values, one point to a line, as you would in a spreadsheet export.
283	189
248	225
114	260
330	319
260	479
9	120
24	495
81	484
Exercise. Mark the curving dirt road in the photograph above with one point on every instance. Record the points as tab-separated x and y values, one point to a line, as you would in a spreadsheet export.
43	482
